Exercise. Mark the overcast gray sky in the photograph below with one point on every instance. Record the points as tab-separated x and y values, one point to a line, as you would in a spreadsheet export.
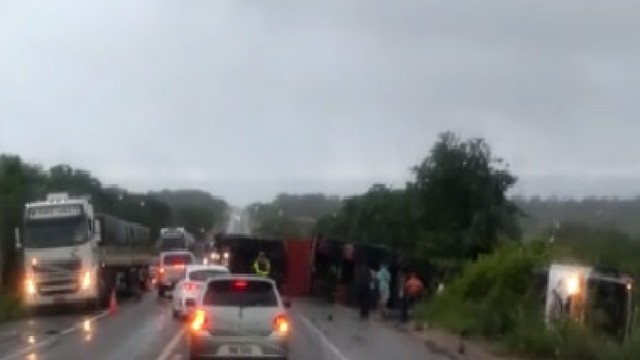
250	98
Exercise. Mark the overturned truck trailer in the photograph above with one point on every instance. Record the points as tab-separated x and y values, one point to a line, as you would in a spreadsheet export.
595	298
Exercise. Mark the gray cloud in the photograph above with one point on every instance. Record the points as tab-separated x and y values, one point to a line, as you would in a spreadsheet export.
246	98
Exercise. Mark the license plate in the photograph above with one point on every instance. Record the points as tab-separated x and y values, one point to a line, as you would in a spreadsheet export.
59	299
235	350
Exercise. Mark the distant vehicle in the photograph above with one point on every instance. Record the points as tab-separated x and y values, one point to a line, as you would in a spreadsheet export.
174	239
240	316
172	268
73	255
187	290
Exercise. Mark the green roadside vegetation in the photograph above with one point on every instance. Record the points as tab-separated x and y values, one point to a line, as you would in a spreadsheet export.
498	297
22	182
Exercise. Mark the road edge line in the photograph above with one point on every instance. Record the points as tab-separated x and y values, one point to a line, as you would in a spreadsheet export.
324	339
168	350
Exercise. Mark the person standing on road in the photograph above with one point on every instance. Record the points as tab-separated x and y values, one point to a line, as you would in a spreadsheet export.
262	265
383	276
363	289
402	298
413	290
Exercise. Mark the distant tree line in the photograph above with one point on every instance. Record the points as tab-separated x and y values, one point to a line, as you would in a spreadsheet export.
290	215
454	209
621	214
22	182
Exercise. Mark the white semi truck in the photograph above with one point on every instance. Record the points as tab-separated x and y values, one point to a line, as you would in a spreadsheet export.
73	255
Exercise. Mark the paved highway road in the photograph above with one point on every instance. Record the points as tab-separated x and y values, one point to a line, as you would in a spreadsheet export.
239	222
146	330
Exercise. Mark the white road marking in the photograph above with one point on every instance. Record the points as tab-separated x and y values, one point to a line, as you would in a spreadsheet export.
323	338
168	350
29	349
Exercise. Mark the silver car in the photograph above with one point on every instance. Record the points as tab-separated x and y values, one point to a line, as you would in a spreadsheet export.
240	317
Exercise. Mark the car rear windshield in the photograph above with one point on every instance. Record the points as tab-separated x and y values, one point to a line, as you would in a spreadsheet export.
178	259
241	293
202	275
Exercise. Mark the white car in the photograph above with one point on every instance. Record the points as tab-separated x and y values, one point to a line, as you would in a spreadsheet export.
240	316
172	268
187	290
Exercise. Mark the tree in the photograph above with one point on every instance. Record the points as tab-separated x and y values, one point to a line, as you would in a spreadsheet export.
462	190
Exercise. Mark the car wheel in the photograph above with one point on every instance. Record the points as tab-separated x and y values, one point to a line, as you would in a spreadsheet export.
160	291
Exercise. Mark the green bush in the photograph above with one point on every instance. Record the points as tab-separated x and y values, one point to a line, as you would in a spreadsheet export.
497	299
530	337
488	296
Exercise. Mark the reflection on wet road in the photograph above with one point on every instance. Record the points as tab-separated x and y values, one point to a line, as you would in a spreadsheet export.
145	330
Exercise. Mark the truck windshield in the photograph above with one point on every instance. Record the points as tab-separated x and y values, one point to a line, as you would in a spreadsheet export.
172	243
55	232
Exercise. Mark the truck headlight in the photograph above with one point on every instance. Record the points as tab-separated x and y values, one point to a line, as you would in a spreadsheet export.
85	283
30	286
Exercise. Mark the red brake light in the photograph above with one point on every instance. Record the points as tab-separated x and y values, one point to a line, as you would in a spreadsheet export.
281	324
161	270
240	285
199	320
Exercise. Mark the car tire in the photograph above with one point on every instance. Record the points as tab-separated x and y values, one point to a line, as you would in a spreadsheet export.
161	291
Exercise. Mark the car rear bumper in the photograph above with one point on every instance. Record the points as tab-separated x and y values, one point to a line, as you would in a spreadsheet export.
185	307
209	346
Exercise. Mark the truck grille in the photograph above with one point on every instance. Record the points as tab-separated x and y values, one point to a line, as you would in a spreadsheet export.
58	266
57	277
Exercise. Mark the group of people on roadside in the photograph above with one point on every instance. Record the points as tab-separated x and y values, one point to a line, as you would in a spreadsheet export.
373	289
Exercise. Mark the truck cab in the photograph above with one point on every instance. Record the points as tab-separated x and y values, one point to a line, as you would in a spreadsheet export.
60	239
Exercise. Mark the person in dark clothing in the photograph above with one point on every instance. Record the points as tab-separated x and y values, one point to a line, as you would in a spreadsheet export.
363	289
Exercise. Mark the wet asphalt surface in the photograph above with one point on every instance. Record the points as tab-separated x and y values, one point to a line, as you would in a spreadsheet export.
146	330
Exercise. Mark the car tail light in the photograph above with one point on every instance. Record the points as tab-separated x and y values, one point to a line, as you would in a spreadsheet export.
281	324
160	273
190	286
199	320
